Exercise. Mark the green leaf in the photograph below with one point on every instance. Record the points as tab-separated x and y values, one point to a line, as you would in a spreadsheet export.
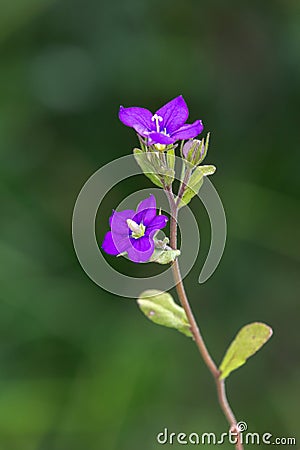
247	342
164	256
207	170
146	166
170	172
161	309
193	187
195	183
171	158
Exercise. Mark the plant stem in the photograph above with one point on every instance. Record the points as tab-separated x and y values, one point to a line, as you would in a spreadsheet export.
183	184
220	384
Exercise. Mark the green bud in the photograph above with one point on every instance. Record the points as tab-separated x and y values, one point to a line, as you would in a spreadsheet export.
161	244
194	150
190	149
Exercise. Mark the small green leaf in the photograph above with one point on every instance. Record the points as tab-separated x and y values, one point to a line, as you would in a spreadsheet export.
195	183
247	342
164	256
170	172
207	170
171	158
193	186
161	309
146	166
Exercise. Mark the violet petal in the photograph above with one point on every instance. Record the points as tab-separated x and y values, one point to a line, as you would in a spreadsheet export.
157	223
174	114
118	221
108	245
149	202
142	244
146	211
141	249
159	138
121	242
137	118
188	131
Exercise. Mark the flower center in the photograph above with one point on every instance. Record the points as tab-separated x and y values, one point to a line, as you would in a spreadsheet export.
156	118
160	147
138	231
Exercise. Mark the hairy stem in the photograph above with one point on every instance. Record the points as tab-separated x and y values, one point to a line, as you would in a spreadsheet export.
220	384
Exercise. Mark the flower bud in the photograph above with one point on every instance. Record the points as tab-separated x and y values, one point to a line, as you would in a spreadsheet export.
194	150
190	148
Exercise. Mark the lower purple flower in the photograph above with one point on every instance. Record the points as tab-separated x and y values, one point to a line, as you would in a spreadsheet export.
133	231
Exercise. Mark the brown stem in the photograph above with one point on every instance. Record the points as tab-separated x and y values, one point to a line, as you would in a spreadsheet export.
220	384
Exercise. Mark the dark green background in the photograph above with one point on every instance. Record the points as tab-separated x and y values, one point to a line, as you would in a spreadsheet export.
81	369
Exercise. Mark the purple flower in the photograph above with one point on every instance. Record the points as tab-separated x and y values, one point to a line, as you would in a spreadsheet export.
133	231
164	127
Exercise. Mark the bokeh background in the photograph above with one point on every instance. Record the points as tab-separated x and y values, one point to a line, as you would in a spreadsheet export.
81	368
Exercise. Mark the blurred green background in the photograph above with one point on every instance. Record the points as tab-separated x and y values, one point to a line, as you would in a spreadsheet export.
81	368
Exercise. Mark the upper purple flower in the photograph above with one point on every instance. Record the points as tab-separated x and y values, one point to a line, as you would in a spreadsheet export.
164	127
133	231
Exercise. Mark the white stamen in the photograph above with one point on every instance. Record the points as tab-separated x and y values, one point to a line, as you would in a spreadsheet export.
137	230
133	226
156	118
